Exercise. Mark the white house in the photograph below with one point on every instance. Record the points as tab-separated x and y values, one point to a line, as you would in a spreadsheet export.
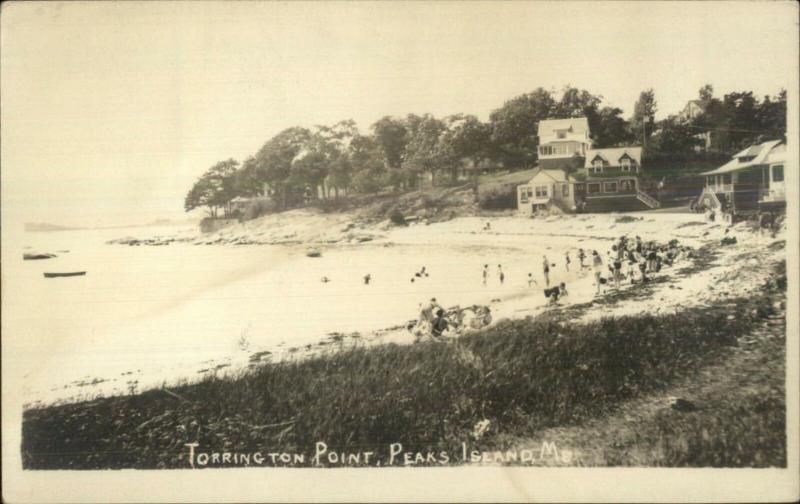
546	188
563	142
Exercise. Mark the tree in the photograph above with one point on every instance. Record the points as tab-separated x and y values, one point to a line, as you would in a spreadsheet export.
611	128
245	181
643	121
515	126
274	161
215	189
674	137
423	152
465	139
391	136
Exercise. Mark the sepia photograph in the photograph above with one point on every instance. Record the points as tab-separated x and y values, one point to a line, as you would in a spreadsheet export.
399	251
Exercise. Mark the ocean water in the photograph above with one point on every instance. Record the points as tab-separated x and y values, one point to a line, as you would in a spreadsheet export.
147	315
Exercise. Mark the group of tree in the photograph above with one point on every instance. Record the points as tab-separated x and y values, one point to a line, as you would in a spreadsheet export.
731	123
299	163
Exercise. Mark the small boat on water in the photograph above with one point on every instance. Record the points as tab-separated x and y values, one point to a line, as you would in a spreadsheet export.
65	274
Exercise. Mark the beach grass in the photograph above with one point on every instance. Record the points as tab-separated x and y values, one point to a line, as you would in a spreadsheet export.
522	376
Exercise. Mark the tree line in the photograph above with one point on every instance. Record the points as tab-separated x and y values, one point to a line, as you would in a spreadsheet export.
327	161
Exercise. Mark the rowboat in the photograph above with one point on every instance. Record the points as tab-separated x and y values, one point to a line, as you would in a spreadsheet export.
65	274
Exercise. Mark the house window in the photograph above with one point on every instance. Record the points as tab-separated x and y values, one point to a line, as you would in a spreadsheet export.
545	150
593	188
726	179
524	194
541	191
561	134
777	173
564	189
610	187
626	164
597	166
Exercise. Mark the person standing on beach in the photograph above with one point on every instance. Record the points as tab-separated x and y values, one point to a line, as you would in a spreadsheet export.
567	259
617	272
581	257
597	266
546	268
500	274
485	273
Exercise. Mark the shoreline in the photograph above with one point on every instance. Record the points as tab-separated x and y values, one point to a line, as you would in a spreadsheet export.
672	289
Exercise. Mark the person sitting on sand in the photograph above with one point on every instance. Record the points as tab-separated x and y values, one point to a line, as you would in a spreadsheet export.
325	279
562	289
552	295
531	280
439	324
426	313
367	278
597	265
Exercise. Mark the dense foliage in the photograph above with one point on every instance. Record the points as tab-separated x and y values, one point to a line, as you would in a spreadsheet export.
299	164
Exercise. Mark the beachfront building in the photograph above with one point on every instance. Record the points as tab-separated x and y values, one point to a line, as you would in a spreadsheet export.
612	181
753	179
546	189
563	143
572	176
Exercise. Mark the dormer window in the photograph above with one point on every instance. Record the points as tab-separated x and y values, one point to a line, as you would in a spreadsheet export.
561	134
625	163
597	166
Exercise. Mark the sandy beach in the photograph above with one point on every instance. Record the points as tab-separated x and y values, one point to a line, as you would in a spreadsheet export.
248	294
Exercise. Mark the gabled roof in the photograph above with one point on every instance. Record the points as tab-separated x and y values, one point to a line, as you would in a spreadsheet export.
760	151
548	127
556	174
613	155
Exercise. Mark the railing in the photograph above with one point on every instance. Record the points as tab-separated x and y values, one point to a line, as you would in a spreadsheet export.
647	199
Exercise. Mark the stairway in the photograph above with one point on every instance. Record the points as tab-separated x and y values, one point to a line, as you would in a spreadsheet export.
647	199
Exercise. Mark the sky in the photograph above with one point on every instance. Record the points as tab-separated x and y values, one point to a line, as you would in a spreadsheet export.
110	110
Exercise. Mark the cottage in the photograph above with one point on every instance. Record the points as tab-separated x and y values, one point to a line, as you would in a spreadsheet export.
547	188
752	180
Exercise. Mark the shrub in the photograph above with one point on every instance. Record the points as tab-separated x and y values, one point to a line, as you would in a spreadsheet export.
498	198
397	218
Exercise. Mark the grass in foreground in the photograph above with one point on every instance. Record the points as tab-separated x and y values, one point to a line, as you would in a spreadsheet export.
522	376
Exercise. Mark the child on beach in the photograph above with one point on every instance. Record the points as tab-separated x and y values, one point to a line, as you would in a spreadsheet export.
439	324
597	265
617	263
546	268
485	273
531	280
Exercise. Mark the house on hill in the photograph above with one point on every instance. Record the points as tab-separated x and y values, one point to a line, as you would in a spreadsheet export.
613	181
752	180
572	176
563	143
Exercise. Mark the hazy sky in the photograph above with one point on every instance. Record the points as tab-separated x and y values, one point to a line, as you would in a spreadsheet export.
111	110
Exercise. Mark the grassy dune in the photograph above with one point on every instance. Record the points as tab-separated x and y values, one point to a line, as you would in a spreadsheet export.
522	376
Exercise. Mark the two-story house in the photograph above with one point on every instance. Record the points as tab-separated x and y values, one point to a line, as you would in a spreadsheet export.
574	177
612	181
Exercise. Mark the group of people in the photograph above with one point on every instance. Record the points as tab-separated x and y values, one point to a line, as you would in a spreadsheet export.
632	256
434	321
